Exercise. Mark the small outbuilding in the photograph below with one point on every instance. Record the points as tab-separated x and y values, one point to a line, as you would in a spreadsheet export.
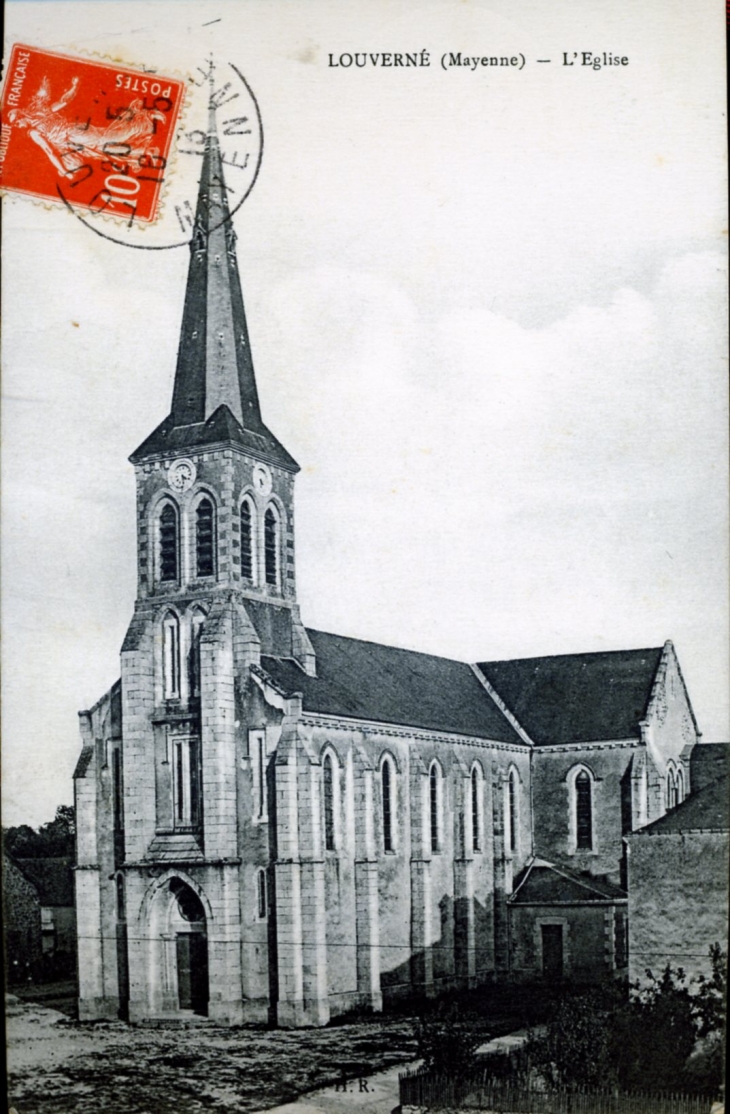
566	926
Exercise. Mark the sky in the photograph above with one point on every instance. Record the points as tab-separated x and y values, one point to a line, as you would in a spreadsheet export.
487	316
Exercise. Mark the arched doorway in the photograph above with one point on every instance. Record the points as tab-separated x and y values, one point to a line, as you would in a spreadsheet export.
189	927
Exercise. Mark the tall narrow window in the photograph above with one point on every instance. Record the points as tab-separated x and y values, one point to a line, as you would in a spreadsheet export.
680	787
271	547
171	656
117	795
512	796
248	563
185	781
204	538
387	791
329	803
434	799
168	543
121	904
257	752
476	812
671	788
583	812
261	894
196	631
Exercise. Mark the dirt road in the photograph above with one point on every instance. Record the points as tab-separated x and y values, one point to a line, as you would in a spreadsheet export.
56	1065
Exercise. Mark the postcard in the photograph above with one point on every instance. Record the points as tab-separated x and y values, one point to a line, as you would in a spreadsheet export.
365	552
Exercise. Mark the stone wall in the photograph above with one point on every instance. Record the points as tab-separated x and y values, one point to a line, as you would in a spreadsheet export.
678	901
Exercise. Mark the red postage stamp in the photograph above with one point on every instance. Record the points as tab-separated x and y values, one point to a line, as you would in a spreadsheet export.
93	134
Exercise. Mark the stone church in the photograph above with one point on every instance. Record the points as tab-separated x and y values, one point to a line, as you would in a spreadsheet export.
278	824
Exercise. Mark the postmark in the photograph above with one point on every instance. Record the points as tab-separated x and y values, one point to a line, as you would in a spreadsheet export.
93	135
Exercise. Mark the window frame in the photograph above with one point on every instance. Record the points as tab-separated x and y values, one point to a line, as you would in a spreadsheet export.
435	807
512	813
258	757
186	782
262	894
389	807
330	801
249	502
202	498
273	514
476	802
171	658
167	505
573	775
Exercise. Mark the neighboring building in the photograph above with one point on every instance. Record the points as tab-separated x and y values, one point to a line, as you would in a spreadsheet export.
275	823
678	885
21	924
53	882
708	762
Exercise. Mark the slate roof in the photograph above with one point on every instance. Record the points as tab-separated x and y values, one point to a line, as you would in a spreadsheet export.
52	878
366	680
221	427
215	399
707	763
707	810
572	698
545	883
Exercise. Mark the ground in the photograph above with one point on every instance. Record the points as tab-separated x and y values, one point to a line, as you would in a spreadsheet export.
56	1065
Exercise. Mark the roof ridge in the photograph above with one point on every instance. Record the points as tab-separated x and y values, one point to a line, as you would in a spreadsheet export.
576	654
388	646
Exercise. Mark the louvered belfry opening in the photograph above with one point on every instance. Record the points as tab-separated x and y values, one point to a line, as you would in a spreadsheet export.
204	539
271	547
246	541
168	544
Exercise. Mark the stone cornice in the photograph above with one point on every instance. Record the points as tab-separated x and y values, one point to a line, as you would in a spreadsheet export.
343	723
600	744
163	864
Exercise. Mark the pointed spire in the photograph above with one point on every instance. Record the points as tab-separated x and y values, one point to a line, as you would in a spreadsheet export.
214	364
215	397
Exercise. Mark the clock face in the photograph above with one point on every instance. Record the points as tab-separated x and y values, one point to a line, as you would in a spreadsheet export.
262	479
181	476
222	86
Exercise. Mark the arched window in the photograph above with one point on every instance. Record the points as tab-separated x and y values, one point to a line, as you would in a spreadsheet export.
387	793
328	788
511	805
583	811
168	542
262	897
196	631
204	538
476	810
271	547
248	541
171	656
680	787
434	801
671	788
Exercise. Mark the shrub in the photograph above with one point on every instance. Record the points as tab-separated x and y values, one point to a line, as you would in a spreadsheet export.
448	1038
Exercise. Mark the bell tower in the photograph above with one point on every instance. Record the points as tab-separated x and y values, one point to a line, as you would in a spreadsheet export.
215	488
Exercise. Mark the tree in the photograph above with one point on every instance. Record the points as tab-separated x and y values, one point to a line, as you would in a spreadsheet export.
56	838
